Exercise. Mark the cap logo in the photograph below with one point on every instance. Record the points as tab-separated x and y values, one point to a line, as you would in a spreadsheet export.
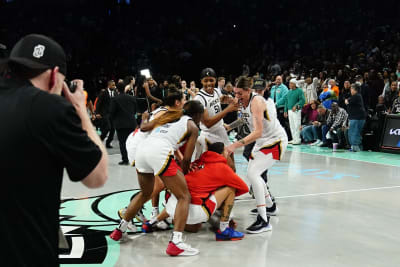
208	73
38	51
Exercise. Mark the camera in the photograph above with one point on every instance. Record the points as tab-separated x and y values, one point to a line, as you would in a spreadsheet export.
72	86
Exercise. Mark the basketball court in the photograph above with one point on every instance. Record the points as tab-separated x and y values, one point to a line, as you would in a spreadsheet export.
335	209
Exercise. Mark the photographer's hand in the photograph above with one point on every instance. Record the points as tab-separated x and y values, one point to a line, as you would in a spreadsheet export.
77	98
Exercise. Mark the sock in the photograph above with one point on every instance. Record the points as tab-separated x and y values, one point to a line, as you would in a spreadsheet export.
268	201
223	225
123	225
263	213
154	212
176	237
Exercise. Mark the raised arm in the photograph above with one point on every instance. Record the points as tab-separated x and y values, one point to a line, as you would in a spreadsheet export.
211	121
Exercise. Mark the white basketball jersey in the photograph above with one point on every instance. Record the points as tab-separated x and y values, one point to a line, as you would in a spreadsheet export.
137	136
174	133
212	104
272	129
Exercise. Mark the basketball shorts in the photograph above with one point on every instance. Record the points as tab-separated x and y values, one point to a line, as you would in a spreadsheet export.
132	142
197	213
156	156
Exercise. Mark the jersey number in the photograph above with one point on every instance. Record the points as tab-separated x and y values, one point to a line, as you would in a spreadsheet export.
217	109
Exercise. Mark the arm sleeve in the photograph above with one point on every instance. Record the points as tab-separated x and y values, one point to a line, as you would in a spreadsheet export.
301	98
55	123
283	95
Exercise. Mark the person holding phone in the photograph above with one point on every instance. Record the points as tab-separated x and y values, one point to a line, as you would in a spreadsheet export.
43	133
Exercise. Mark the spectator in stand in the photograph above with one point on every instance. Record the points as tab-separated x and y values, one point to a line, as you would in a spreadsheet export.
310	114
278	94
396	105
184	89
309	86
228	91
221	83
375	85
344	94
123	114
335	125
391	96
398	70
294	102
357	115
154	95
323	114
164	89
364	91
193	90
332	86
130	85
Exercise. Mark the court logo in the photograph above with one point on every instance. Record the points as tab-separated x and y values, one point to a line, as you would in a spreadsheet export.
87	223
38	51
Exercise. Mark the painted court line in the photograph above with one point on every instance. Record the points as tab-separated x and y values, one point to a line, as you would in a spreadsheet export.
331	156
330	193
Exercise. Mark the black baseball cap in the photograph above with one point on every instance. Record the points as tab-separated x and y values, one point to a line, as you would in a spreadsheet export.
208	72
36	51
259	84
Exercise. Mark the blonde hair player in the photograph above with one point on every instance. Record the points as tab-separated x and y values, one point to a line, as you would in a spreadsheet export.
271	142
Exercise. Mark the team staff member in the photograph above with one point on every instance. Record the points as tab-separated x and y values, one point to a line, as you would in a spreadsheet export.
103	113
271	142
123	110
43	133
212	124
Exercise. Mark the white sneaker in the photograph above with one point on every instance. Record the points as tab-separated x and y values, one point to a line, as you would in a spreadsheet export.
316	142
181	249
162	225
290	142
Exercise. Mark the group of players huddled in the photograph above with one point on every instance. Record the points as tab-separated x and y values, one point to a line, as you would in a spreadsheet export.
198	169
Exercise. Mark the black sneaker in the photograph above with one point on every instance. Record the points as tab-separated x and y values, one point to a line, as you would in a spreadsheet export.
123	163
254	211
259	226
273	211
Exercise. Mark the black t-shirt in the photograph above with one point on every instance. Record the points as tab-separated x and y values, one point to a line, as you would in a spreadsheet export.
40	135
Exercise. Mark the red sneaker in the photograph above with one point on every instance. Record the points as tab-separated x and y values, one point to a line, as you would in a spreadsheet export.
181	249
116	235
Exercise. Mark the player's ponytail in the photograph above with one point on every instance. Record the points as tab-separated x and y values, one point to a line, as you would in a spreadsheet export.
191	108
171	115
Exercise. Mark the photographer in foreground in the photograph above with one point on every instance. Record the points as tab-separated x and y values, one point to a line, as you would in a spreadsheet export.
42	133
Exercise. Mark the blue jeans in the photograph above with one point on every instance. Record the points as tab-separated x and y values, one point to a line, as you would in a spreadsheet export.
309	133
354	133
325	130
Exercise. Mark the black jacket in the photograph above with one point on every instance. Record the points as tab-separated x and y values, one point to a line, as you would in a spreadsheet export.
103	104
355	108
123	109
345	94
